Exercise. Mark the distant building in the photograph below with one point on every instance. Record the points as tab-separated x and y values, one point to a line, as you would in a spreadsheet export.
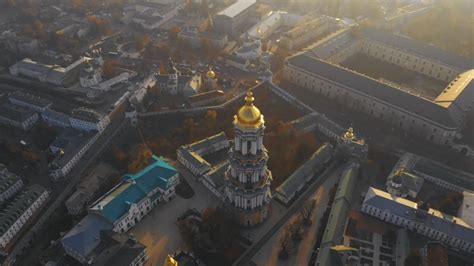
435	173
191	156
431	223
68	148
107	247
196	38
10	184
81	241
251	49
175	83
19	117
269	24
19	212
307	32
55	118
231	20
299	180
207	98
88	188
53	74
150	15
88	120
401	181
90	75
437	121
133	198
19	44
29	101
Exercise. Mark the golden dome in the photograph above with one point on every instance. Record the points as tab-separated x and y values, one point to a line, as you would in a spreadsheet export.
170	261
248	115
210	74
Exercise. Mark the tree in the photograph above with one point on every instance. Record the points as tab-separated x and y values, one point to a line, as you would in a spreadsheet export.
142	41
109	69
140	158
307	211
173	33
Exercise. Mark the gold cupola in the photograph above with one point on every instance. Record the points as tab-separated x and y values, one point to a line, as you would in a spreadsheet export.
248	115
210	73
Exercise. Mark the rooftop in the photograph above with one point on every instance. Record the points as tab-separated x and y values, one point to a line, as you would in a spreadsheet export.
70	141
299	177
134	188
418	48
86	115
373	88
447	174
30	99
432	218
236	8
18	206
84	237
15	113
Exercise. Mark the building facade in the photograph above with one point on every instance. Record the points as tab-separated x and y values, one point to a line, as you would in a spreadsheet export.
231	19
247	180
431	223
15	116
10	184
437	121
19	212
133	198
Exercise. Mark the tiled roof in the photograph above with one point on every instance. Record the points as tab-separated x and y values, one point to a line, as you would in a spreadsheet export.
15	113
441	222
135	188
298	179
19	205
85	236
236	8
30	99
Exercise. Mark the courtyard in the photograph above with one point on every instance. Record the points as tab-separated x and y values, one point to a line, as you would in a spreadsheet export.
407	80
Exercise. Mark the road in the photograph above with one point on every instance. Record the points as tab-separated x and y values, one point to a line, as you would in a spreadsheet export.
252	250
73	179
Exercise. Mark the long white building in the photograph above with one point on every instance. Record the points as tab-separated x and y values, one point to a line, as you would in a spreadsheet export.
431	223
437	121
19	212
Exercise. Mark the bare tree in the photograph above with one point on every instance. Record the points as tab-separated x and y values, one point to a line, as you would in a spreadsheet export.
306	211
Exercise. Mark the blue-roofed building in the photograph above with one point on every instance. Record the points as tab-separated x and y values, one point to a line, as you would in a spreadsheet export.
431	223
83	238
134	197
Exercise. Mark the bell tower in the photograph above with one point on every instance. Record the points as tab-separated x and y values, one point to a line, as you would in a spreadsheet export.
247	181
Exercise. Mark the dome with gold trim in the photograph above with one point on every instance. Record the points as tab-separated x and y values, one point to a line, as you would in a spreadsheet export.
248	115
210	73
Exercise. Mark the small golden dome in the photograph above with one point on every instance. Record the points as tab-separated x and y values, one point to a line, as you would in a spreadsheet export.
211	74
249	114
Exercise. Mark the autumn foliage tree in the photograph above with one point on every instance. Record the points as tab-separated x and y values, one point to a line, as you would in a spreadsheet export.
140	157
100	26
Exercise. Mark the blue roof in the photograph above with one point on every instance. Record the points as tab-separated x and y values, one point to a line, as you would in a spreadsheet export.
134	188
85	236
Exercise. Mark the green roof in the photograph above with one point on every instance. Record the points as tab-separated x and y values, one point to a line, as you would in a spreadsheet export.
135	188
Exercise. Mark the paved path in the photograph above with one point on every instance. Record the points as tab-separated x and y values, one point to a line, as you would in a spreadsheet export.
268	254
158	230
251	251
